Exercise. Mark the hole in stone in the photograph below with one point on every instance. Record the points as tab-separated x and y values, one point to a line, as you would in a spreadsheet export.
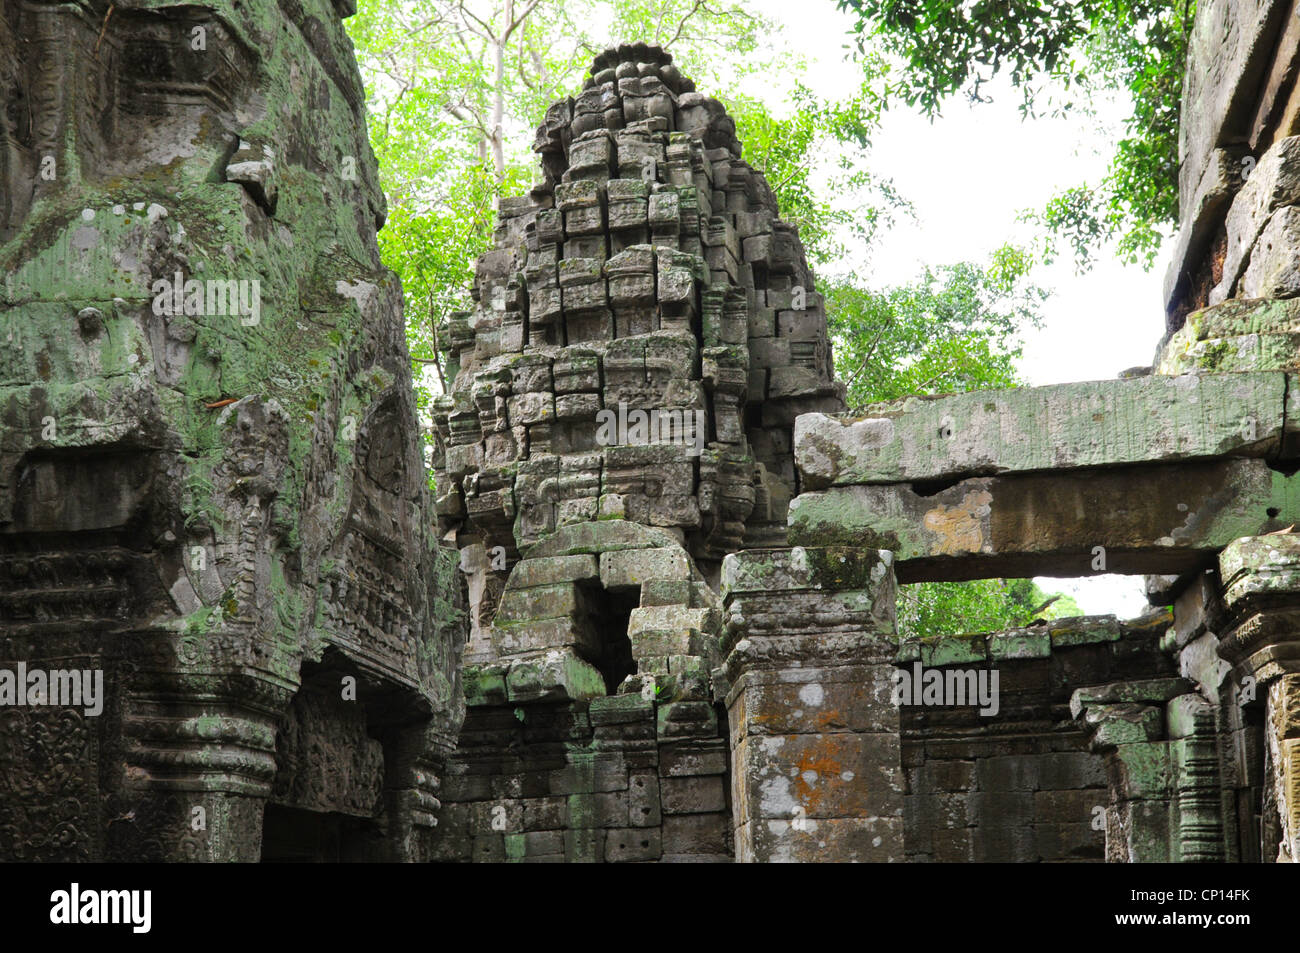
932	487
608	612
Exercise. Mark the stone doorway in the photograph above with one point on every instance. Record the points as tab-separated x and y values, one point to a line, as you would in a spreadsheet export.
294	835
610	612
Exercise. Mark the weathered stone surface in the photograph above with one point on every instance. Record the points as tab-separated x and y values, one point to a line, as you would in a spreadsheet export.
819	699
1273	185
1241	334
700	795
1203	213
1260	570
211	483
1036	641
1274	271
553	570
1066	426
1144	519
831	568
639	566
555	675
602	537
825	840
1228	50
1117	693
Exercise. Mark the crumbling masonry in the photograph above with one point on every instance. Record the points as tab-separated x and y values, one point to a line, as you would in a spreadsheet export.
211	487
671	636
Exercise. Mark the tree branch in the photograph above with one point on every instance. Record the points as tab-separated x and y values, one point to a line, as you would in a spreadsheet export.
487	30
682	25
505	38
871	350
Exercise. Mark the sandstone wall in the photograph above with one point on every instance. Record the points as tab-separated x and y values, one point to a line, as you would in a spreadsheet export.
211	484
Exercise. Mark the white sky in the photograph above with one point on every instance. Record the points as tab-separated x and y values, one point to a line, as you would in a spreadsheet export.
969	175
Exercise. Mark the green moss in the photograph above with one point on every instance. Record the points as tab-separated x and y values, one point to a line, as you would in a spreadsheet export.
198	497
1214	355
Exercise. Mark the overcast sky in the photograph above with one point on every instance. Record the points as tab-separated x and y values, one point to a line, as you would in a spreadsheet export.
969	175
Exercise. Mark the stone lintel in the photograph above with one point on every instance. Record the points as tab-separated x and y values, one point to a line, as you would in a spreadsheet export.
1154	519
1141	420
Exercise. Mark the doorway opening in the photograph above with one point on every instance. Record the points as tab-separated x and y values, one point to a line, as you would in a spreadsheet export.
292	835
609	611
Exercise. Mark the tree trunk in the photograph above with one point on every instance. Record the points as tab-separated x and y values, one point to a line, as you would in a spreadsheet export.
499	96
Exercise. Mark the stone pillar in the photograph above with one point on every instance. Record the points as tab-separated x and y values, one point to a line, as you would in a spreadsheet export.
1261	591
1127	724
417	761
199	764
1163	768
815	746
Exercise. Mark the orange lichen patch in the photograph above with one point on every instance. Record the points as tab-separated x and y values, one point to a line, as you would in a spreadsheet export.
825	765
778	722
825	718
959	528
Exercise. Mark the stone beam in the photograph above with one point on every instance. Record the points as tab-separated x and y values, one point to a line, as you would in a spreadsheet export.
1156	519
1064	426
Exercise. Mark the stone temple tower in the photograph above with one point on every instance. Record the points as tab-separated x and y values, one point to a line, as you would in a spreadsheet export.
646	332
648	278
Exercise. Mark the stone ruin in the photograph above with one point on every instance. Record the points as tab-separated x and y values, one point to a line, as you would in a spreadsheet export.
211	483
671	636
629	701
648	276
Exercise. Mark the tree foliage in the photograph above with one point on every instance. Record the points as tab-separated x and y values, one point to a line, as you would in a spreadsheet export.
955	328
814	153
1061	54
959	608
